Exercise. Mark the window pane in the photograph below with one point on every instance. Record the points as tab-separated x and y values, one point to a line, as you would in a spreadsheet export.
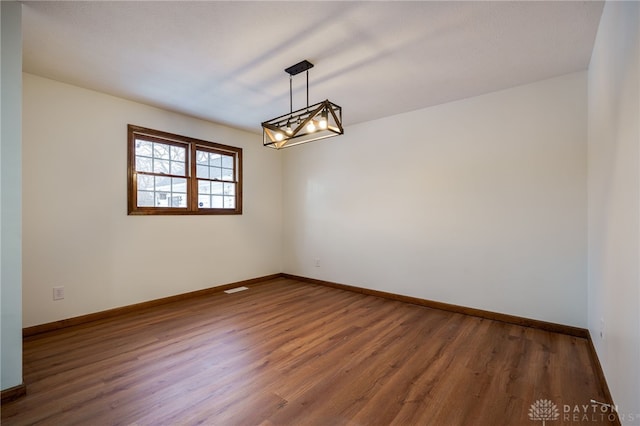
145	183
202	157
161	166
215	173
229	189
161	199
161	150
204	201
216	188
145	199
215	160
227	174
143	164
163	184
204	187
177	168
179	185
178	200
216	202
202	171
227	161
229	202
144	148
178	153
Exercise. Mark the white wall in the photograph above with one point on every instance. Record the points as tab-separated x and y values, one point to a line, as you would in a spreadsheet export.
614	202
480	203
10	188
76	230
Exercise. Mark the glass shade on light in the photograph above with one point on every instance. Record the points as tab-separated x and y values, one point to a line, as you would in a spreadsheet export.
320	121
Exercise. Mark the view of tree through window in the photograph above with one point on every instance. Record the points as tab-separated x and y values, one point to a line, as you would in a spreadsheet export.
162	171
172	174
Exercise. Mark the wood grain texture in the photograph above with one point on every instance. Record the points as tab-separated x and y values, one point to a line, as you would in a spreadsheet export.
293	353
13	393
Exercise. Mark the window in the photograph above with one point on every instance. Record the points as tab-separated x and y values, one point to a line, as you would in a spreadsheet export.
172	174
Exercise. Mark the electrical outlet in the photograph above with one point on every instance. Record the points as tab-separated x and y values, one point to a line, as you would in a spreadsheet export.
58	293
317	262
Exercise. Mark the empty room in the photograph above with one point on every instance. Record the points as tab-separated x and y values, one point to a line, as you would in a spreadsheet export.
320	213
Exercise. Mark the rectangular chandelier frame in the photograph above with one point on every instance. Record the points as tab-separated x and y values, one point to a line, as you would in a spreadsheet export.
319	121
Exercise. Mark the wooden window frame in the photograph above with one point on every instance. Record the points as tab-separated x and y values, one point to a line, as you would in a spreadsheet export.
191	144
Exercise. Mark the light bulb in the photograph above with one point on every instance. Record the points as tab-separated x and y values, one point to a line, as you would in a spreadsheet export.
288	130
323	123
279	136
311	127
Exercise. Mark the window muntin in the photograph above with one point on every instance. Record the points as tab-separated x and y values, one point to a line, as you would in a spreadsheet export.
215	175
172	174
161	170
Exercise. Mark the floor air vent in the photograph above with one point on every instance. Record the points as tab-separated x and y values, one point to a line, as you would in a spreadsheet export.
235	290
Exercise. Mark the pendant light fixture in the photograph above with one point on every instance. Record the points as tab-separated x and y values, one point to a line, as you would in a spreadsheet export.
315	122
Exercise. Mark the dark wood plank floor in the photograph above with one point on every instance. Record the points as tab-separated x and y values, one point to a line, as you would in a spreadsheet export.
291	353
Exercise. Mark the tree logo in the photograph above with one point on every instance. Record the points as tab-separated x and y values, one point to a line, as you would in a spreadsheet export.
544	410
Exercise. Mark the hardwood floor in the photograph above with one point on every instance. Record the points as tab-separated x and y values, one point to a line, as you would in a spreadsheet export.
291	353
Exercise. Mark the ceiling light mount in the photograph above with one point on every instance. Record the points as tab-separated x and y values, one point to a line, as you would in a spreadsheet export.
299	67
314	122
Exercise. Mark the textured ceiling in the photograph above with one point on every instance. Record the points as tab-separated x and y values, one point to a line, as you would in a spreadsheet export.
225	61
